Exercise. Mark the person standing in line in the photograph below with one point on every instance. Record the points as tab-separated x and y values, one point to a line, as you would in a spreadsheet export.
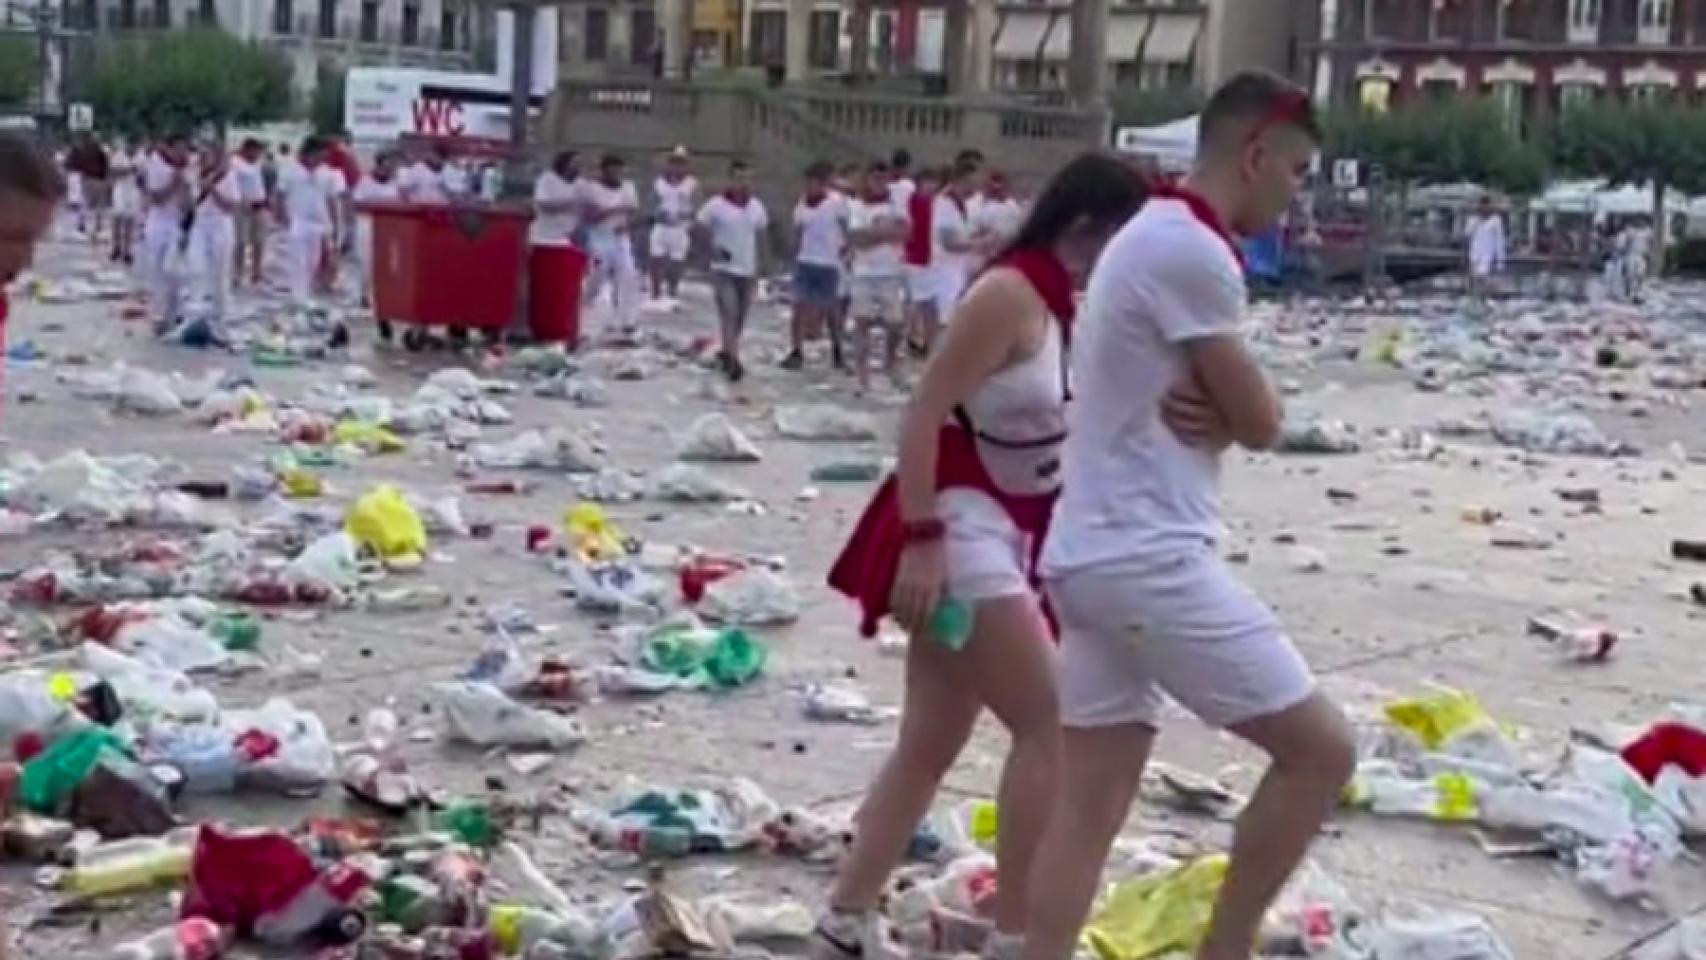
213	234
1486	247
1162	382
736	222
557	202
30	188
331	180
251	212
978	471
127	202
919	202
423	180
677	194
820	225
166	192
611	204
305	212
901	184
378	186
951	245
995	216
877	228
458	179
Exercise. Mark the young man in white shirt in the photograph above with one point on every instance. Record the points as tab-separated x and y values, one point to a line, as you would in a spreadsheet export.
379	185
213	234
877	227
951	246
610	204
1162	382
820	226
735	222
677	192
423	180
305	210
995	216
337	190
166	198
251	211
557	202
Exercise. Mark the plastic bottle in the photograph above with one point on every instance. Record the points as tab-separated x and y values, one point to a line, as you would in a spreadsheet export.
379	730
950	625
651	842
518	929
123	866
196	938
323	908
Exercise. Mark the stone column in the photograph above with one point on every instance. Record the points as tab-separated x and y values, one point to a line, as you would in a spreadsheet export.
619	49
956	37
859	41
1087	74
799	38
677	16
980	57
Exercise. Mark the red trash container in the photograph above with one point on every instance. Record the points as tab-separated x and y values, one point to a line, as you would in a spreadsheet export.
554	276
445	265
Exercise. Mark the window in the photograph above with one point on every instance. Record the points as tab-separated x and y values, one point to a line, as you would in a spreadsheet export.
163	14
1653	21
327	24
127	14
1573	95
447	29
825	46
643	39
208	14
597	34
91	15
769	43
1650	93
281	16
411	24
1437	91
1445	21
369	21
1584	20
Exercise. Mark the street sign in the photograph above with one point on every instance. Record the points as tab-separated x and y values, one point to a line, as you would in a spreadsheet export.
80	117
1345	174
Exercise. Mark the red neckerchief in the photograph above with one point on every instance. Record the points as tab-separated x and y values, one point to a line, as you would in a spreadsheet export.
811	200
1202	211
1048	277
737	198
958	201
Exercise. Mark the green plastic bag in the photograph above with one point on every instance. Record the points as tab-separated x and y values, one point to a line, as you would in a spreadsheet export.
50	777
384	522
470	823
1158	914
734	658
727	658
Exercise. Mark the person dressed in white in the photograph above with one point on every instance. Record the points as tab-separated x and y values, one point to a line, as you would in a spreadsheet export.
166	193
459	182
877	230
1486	246
677	192
251	214
1162	381
1638	260
213	234
305	209
995	216
951	245
127	202
379	186
557	202
423	180
820	221
337	189
610	204
735	221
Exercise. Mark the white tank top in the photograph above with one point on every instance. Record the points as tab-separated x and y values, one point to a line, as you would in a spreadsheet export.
1018	418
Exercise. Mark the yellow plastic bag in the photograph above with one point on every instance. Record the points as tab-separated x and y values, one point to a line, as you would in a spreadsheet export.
591	532
985	824
370	437
384	522
1158	914
1439	717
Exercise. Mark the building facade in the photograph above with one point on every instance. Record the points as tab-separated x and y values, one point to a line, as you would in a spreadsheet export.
438	34
1534	56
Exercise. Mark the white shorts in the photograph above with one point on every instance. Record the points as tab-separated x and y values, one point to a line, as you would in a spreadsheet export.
669	243
880	299
1183	626
989	557
949	284
920	284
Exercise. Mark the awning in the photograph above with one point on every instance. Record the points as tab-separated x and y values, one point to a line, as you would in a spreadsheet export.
1058	46
1125	35
1173	39
1020	35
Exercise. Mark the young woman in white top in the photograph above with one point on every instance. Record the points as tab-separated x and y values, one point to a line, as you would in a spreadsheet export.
978	471
213	234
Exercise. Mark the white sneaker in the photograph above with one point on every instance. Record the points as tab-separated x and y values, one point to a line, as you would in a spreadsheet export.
853	936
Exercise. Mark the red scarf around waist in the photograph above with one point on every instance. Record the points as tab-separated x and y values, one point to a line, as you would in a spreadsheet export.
866	568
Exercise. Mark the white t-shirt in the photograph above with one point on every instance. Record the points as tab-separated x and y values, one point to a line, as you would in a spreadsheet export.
949	222
251	186
371	190
554	227
823	230
157	174
306	200
675	201
456	180
230	189
900	191
600	196
734	234
422	184
1000	219
883	259
1133	490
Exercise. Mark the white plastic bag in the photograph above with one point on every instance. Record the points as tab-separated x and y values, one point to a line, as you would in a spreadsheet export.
687	483
751	597
305	759
825	423
481	714
1415	932
146	392
170	642
327	562
713	437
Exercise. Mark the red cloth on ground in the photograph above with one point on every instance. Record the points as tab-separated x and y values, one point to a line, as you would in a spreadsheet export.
866	567
1667	744
920	210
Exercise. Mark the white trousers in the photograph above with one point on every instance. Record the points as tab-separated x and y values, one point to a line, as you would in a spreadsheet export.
213	244
306	245
613	266
159	268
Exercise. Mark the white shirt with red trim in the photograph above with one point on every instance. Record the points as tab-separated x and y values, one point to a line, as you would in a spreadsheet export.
1133	491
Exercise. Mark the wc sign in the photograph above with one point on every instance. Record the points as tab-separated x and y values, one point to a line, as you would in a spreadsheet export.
382	105
438	118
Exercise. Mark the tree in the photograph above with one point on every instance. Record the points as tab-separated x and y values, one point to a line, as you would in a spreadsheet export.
18	72
1461	140
182	80
1656	144
326	108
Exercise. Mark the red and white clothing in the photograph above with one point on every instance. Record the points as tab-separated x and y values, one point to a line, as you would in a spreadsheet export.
676	200
997	474
213	239
1144	603
610	213
920	211
166	195
950	223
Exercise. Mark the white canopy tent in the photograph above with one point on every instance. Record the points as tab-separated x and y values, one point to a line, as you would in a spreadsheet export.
1173	146
1595	198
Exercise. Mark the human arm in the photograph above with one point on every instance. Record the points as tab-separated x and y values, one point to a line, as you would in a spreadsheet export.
950	227
986	331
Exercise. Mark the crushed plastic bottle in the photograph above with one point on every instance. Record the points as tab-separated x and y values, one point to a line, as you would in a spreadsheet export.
128	866
196	938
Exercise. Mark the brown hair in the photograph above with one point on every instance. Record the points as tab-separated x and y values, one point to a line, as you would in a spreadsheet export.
26	169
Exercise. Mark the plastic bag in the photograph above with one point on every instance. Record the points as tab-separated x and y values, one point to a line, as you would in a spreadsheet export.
384	522
287	748
370	437
49	778
541	450
1415	932
329	562
146	392
726	658
591	533
148	692
823	422
485	716
170	642
687	483
1152	915
750	598
713	437
611	486
775	920
28	705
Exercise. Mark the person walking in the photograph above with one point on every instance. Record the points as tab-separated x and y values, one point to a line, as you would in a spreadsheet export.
305	211
958	522
213	235
251	211
820	227
126	169
609	205
166	196
735	222
677	192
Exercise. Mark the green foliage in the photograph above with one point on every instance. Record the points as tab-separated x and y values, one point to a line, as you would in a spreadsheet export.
1131	107
326	108
1660	144
184	79
18	69
1446	141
